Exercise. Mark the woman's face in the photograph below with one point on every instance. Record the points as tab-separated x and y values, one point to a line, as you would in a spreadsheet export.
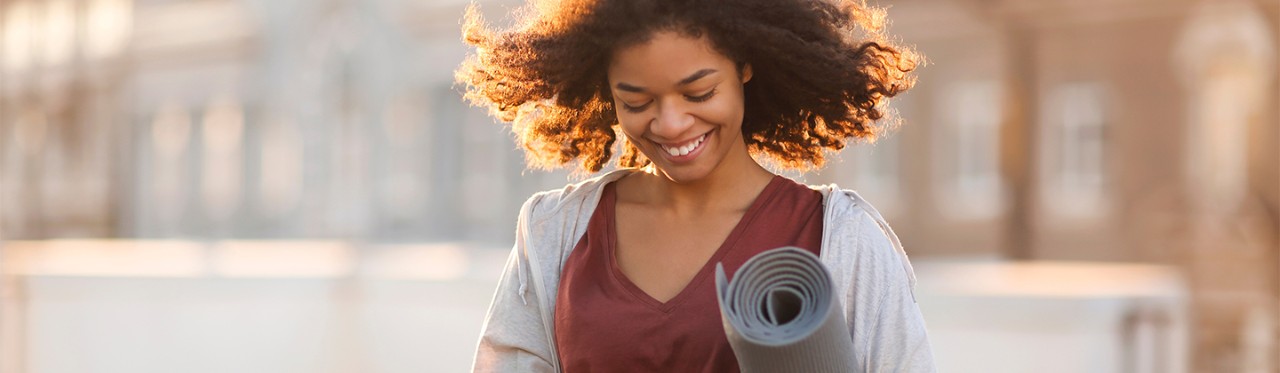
680	102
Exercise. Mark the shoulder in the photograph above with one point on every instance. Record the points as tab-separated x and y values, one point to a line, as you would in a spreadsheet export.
551	218
547	221
847	210
861	238
556	203
849	216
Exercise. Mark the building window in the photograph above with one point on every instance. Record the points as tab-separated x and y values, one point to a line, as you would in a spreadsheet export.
281	165
403	186
1219	136
1228	92
223	130
169	177
968	151
444	148
484	151
1074	141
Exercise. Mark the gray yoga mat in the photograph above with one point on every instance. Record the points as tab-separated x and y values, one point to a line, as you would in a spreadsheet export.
781	315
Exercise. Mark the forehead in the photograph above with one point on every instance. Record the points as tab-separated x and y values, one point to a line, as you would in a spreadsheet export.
665	59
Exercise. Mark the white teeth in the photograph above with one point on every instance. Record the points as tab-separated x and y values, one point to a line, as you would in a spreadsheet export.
684	150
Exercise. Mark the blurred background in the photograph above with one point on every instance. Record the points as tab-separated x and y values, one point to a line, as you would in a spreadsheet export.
296	185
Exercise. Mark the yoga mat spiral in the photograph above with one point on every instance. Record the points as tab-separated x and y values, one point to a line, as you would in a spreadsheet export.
781	315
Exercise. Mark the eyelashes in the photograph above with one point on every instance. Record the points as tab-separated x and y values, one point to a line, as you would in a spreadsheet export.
702	98
634	109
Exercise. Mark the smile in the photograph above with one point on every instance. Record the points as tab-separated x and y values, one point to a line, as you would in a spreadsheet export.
685	148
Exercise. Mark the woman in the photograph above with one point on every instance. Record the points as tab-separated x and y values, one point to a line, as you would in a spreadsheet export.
613	273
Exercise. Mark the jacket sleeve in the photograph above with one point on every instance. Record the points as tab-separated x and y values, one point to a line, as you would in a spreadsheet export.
888	330
514	337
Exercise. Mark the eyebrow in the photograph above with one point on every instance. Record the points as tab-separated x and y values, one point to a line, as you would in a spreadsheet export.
682	82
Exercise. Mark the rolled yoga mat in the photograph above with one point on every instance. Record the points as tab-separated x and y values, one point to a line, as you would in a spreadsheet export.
781	315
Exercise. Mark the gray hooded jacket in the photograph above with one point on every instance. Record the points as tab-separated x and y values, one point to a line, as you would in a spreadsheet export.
857	245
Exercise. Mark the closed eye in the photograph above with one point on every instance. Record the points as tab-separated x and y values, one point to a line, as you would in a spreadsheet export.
635	109
704	97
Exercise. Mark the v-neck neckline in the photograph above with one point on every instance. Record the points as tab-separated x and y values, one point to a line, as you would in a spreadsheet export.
609	199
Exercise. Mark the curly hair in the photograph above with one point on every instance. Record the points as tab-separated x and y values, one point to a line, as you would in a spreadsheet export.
821	70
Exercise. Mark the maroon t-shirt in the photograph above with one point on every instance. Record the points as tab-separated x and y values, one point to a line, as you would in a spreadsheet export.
605	323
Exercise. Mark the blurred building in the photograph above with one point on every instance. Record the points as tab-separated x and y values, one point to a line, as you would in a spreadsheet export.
251	119
1123	131
1132	131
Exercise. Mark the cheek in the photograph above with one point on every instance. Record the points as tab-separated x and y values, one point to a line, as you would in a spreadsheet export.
632	126
725	113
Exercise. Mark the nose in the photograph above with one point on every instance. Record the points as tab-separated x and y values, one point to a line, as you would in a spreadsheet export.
673	120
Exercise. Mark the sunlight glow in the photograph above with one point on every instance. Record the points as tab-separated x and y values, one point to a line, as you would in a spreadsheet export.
58	38
1054	279
17	36
279	259
134	258
108	27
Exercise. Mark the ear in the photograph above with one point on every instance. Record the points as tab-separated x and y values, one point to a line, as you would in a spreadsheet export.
746	73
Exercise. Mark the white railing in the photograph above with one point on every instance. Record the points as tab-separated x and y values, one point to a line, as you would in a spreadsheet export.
325	306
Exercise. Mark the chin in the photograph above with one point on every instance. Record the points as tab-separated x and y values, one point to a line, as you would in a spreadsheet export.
684	176
691	171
